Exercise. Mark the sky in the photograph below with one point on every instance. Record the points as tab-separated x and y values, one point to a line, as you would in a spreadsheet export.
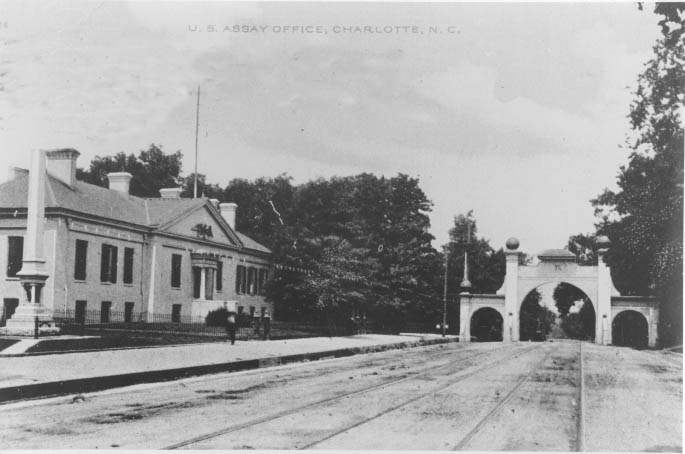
517	111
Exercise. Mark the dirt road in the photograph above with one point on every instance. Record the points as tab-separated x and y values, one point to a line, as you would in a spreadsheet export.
561	396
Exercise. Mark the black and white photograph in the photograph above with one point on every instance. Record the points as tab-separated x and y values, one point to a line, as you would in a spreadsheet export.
349	226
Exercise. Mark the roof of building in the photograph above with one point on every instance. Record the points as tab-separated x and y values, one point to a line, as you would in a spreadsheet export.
556	254
106	203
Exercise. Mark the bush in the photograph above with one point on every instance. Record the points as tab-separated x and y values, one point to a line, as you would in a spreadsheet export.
217	317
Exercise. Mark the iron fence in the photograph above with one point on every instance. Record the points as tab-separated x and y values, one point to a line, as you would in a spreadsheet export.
103	323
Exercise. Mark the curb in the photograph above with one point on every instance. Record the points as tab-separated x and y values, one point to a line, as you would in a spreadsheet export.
92	384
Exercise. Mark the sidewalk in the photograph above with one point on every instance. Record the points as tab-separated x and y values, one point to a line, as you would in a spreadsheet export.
26	377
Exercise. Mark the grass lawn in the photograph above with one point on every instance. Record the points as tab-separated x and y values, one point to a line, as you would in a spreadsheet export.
115	341
4	343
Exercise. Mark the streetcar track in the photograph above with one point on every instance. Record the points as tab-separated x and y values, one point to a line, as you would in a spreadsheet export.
580	423
492	413
413	399
580	440
262	420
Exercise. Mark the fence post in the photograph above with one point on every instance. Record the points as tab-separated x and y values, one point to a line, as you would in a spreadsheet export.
82	322
35	327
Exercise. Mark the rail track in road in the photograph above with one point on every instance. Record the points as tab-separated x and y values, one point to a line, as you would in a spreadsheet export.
323	402
580	423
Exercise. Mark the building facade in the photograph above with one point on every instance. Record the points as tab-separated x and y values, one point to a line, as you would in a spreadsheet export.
131	257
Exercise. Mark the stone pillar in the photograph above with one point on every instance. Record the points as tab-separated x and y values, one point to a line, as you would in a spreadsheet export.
209	283
203	283
464	317
604	285
510	326
33	273
653	327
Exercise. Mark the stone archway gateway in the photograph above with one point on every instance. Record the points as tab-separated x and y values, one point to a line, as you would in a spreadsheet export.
558	265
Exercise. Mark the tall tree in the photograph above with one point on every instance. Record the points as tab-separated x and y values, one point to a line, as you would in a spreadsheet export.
644	217
152	170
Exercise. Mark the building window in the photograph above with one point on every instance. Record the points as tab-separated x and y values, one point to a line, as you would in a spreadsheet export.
252	280
219	276
197	281
105	307
175	313
261	282
15	253
128	312
80	312
240	310
128	265
176	270
108	264
81	260
252	311
241	280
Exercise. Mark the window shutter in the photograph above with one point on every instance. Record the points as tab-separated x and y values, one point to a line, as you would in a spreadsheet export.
104	263
113	269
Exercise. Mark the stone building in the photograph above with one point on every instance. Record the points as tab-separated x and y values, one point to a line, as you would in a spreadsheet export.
129	257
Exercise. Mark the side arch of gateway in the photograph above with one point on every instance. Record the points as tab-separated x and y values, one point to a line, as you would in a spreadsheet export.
558	265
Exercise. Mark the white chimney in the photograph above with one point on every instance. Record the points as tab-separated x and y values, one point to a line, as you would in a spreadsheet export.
120	181
61	164
14	172
170	193
228	213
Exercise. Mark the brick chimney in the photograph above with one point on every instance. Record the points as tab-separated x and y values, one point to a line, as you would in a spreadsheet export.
228	213
120	181
170	193
61	164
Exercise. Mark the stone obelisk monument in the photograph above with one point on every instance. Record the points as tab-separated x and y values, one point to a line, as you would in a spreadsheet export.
33	274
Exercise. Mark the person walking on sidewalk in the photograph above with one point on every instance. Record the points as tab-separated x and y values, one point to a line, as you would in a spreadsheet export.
267	325
230	326
256	323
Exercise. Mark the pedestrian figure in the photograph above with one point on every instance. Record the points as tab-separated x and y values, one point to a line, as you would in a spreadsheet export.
267	325
363	329
230	326
256	323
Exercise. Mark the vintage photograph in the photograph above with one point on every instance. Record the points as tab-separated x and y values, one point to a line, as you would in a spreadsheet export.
351	226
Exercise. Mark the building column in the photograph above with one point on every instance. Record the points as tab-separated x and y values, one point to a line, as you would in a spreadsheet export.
510	326
653	327
209	283
603	316
464	317
203	282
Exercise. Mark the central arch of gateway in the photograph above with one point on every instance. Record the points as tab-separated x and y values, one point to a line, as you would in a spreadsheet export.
558	265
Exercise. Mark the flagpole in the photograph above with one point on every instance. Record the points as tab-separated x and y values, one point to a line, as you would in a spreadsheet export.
197	130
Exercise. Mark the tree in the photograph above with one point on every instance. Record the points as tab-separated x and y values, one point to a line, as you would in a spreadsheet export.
584	247
204	189
486	266
644	217
536	320
152	170
581	324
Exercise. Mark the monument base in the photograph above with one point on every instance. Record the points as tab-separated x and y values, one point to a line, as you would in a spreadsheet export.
25	319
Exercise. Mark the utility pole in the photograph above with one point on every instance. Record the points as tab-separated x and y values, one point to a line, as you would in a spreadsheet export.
197	131
444	295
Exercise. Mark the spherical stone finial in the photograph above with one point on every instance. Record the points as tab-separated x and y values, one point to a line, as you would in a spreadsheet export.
512	244
603	242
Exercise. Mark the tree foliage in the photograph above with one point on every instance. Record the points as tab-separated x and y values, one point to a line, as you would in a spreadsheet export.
644	217
486	266
152	170
536	320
